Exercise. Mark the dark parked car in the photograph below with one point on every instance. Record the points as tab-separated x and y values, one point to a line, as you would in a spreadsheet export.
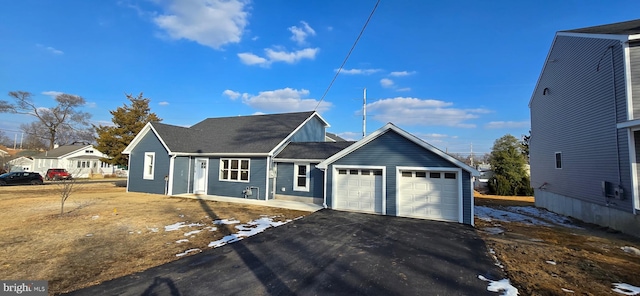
57	174
17	178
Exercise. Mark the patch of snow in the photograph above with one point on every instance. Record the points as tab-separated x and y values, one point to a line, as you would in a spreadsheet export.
179	225
225	221
187	252
211	228
245	230
567	290
525	215
298	218
495	258
551	262
493	230
89	235
625	289
502	285
631	250
184	240
154	229
190	233
95	217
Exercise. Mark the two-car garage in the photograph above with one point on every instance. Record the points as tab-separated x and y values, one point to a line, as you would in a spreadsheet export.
391	172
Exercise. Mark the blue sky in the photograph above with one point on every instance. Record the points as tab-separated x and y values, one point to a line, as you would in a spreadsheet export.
454	73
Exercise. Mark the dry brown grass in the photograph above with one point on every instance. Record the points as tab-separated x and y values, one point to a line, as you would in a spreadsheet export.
587	260
105	232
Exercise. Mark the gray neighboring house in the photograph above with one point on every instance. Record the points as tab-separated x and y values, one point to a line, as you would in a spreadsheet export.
287	156
585	126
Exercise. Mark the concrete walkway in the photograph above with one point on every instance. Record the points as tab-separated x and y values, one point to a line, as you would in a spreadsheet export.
276	203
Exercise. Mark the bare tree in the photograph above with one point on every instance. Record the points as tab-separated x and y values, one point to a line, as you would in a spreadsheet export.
65	188
63	115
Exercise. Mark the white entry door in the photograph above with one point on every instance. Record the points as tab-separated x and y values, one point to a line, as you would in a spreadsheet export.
200	176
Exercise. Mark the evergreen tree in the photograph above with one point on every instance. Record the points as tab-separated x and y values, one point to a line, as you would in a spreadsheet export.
128	120
508	161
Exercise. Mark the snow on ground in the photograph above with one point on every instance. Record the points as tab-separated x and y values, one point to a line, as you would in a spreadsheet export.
631	250
182	241
626	289
551	262
567	290
179	225
245	230
225	221
190	233
188	251
526	215
502	285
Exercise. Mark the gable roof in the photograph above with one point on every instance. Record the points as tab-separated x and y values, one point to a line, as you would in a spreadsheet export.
622	28
391	127
61	151
258	134
311	150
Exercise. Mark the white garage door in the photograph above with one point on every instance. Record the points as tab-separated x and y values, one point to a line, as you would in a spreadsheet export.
359	190
429	194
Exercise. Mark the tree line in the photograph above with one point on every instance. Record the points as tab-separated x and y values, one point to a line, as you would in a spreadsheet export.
65	124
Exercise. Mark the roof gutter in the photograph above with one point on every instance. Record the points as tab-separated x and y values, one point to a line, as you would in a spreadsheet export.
218	154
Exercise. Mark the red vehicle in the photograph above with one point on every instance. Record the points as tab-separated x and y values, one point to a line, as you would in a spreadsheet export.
57	174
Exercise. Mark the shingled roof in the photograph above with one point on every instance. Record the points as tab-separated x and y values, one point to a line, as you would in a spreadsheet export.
622	28
312	150
60	151
239	134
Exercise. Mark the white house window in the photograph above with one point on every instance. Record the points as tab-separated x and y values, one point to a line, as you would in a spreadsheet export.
234	169
301	177
149	162
558	160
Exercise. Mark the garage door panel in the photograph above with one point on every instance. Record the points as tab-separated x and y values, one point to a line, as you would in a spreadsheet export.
358	192
428	195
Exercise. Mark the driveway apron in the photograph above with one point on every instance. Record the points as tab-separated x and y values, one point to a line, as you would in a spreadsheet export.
328	253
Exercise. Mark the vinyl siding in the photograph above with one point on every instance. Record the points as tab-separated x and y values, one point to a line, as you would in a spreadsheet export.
578	117
149	143
634	55
285	179
257	178
181	176
312	131
391	150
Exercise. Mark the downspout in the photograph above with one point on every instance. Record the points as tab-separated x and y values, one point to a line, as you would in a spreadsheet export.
324	202
615	112
172	164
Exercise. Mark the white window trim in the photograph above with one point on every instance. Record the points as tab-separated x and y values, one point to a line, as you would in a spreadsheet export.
239	170
295	177
145	173
555	160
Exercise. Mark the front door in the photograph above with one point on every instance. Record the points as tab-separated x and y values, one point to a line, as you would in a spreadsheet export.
200	176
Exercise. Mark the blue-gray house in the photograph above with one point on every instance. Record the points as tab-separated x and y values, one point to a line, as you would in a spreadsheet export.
289	156
585	126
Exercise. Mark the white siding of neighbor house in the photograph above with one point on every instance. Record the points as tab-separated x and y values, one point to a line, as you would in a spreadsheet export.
578	116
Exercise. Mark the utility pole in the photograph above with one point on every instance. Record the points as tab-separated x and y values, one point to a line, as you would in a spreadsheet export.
471	155
364	113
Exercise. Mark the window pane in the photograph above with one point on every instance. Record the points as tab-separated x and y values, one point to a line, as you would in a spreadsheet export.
353	172
365	172
421	174
449	175
234	164
244	175
407	174
244	164
225	163
342	172
225	174
234	175
434	175
302	182
302	170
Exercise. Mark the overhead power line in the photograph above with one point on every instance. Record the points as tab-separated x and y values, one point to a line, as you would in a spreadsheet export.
348	54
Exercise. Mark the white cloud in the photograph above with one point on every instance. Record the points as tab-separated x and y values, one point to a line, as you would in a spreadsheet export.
273	56
401	73
404	89
350	136
413	111
507	124
283	100
91	104
50	49
300	34
52	93
231	94
163	103
386	82
212	23
358	71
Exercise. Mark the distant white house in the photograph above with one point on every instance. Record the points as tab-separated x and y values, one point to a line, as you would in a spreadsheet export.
20	164
82	161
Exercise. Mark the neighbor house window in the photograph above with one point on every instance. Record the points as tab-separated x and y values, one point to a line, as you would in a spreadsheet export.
558	160
149	163
301	177
234	169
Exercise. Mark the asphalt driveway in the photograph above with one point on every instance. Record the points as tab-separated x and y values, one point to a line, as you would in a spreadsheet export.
328	253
